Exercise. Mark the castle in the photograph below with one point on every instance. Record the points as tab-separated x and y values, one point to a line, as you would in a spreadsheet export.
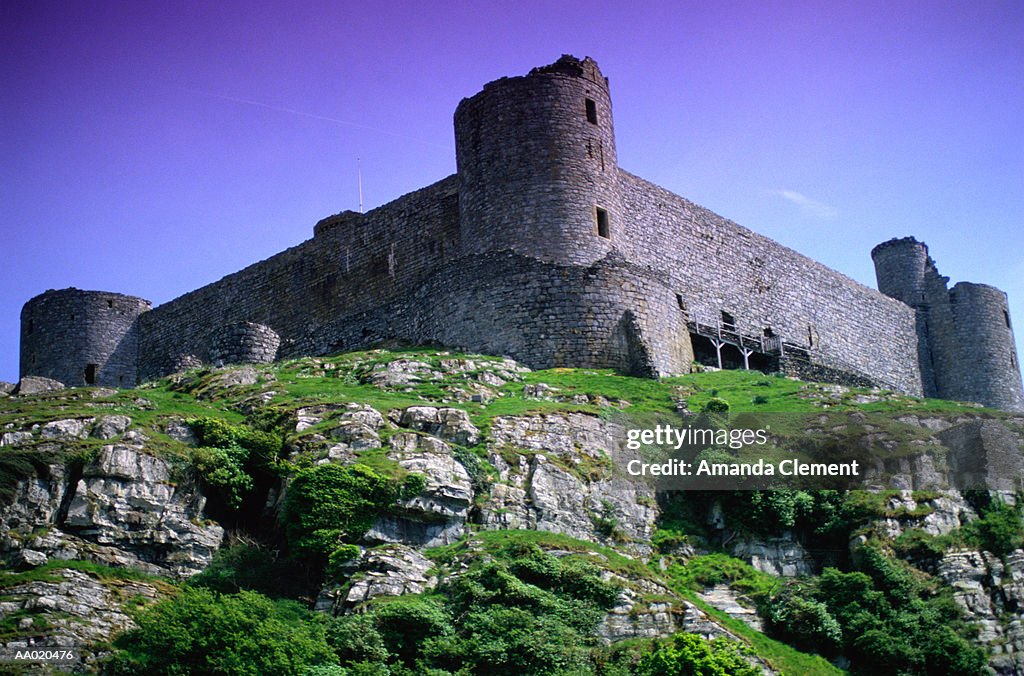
542	248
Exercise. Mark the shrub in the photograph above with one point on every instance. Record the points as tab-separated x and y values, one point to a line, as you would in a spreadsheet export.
355	638
202	632
716	405
330	504
243	566
803	622
692	655
999	530
407	621
223	469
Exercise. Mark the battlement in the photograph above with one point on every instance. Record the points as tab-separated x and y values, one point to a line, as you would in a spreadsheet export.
543	249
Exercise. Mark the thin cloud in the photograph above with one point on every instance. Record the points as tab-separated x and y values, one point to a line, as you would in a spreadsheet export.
806	204
314	116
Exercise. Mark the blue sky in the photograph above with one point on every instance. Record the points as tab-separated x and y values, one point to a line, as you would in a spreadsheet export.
150	148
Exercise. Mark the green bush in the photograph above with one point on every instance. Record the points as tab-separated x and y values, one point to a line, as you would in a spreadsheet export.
201	632
242	566
407	621
716	405
229	455
223	470
355	638
999	530
803	622
893	623
327	505
692	655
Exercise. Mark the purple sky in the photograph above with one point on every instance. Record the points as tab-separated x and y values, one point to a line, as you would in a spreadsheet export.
149	148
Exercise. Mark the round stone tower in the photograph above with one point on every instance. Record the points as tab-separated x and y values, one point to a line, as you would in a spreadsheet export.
900	267
989	369
81	337
537	168
244	343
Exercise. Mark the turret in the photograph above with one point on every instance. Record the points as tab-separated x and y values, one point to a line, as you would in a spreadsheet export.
81	337
900	267
989	370
965	339
537	168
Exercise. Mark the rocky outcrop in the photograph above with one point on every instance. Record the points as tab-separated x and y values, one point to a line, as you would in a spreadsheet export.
438	514
388	570
782	556
696	621
632	617
126	499
450	424
991	591
724	598
72	611
556	474
120	509
37	385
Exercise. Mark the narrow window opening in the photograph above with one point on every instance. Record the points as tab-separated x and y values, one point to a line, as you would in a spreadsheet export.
1013	361
603	226
728	321
591	111
31	326
680	303
72	316
768	333
90	374
110	304
120	381
1006	316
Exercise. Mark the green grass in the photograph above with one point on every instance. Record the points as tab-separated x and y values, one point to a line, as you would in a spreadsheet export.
50	572
786	660
701	572
507	544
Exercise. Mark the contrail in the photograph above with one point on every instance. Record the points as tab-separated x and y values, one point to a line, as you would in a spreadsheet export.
314	116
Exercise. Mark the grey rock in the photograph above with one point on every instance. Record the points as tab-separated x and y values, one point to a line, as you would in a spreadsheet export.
991	592
237	377
37	385
450	424
15	438
358	427
81	612
29	558
177	429
125	499
391	570
780	556
438	514
400	373
722	597
110	426
71	428
543	491
447	491
6	388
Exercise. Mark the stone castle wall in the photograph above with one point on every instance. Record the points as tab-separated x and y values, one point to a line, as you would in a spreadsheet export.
355	261
719	266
